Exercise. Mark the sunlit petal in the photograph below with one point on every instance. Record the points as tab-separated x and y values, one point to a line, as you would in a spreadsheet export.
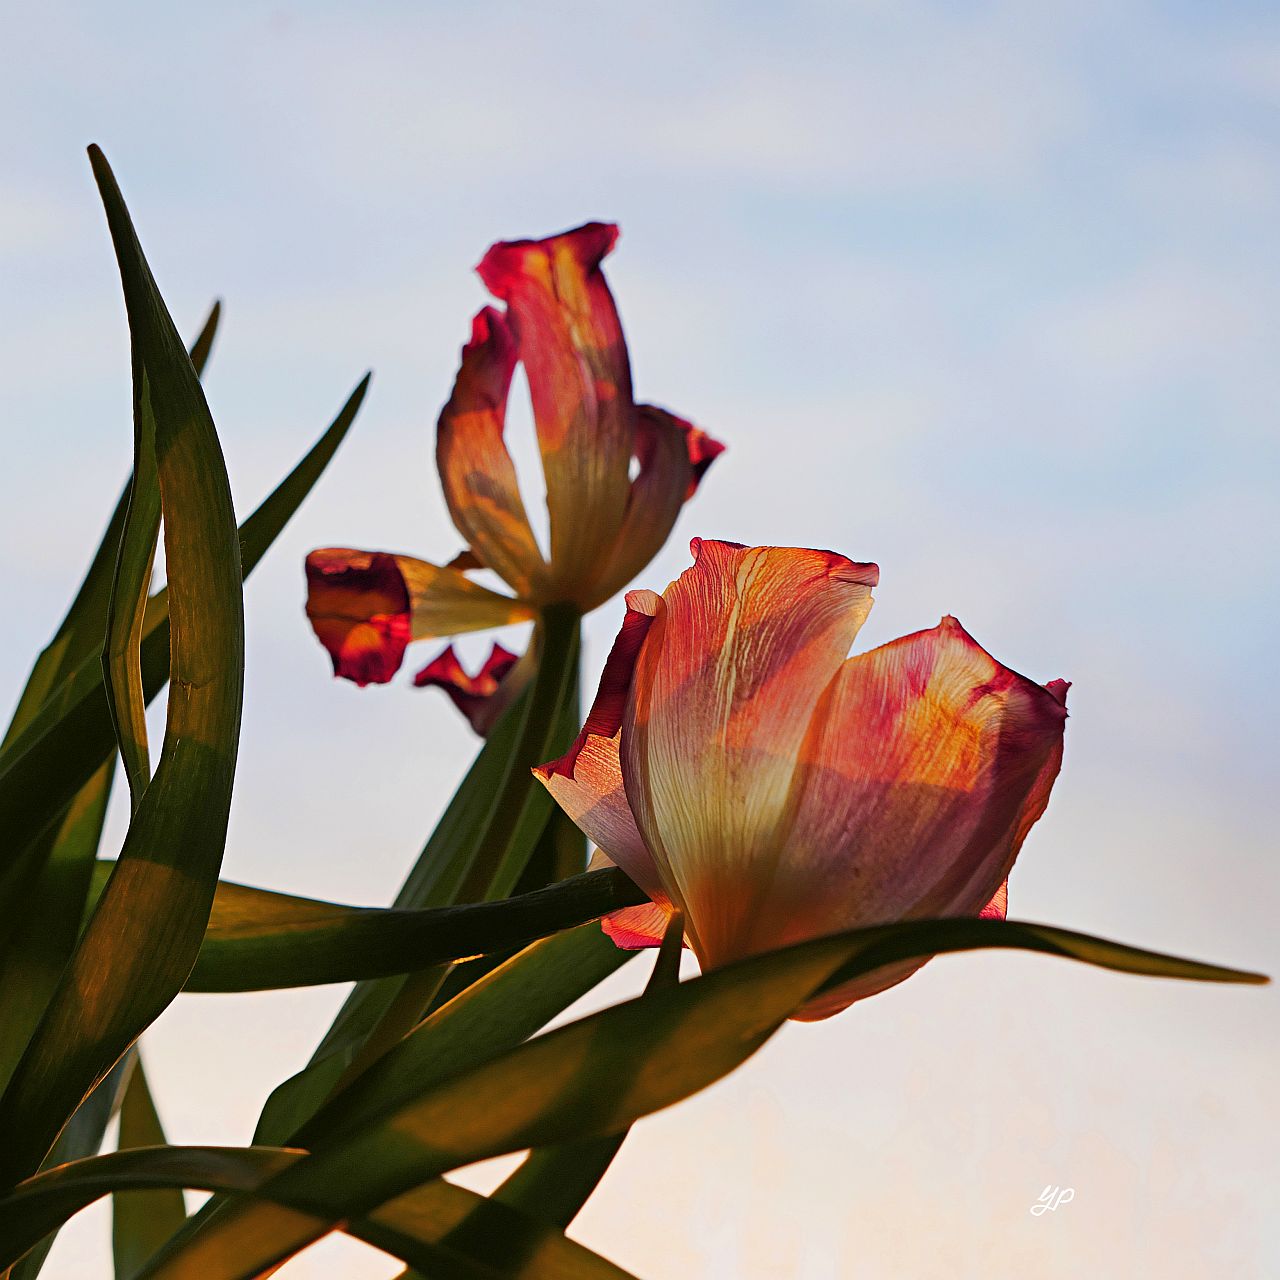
573	351
366	606
741	648
672	456
476	471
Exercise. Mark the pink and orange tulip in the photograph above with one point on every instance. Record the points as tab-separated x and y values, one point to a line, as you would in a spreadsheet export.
743	770
617	474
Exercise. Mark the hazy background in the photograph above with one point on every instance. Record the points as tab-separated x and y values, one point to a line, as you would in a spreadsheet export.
987	293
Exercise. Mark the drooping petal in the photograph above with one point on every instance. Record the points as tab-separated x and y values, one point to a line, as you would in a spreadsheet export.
481	698
366	606
740	651
673	455
573	351
924	768
634	928
476	470
358	606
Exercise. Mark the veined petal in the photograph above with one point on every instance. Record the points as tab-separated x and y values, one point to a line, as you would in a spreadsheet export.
736	659
924	768
573	351
481	698
366	606
592	794
476	471
673	455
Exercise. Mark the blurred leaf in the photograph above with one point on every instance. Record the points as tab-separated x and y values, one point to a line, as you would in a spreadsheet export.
82	1137
141	1221
46	929
478	850
411	1226
163	883
71	736
589	1079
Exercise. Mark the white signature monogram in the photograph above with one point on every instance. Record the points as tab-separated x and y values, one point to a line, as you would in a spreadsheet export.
1051	1198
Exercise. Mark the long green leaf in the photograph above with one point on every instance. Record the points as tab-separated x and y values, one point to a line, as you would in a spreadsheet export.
164	881
49	921
309	943
592	1078
477	851
82	1137
81	632
260	940
141	1221
553	1183
122	653
413	1227
71	735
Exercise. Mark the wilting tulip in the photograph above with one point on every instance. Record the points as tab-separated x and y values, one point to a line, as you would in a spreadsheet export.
606	524
742	769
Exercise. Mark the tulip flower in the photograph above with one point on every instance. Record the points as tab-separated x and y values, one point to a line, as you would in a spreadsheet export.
746	772
617	474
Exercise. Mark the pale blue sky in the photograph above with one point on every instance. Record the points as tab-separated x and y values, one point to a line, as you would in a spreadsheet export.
986	293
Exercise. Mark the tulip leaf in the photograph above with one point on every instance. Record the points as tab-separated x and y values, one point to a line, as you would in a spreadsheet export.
251	947
122	655
591	1078
260	940
81	632
71	735
553	1183
163	883
141	1221
414	1227
478	850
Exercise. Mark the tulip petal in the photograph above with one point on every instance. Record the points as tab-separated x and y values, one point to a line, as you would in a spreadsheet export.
573	351
366	606
481	698
634	928
592	794
673	456
924	768
740	651
476	471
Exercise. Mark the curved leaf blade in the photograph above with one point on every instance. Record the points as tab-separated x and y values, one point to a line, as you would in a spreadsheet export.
593	1078
141	1221
163	883
414	1227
